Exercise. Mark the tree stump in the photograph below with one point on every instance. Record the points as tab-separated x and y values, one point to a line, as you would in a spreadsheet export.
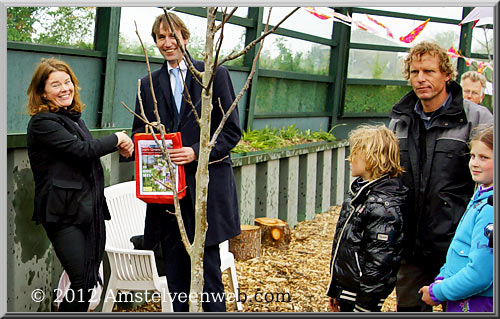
274	232
247	244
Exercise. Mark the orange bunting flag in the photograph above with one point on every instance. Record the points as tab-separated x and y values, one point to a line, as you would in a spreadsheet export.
314	11
480	67
360	25
452	53
389	33
327	13
467	61
412	35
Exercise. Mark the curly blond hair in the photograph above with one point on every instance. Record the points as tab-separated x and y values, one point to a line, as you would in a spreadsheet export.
432	48
380	149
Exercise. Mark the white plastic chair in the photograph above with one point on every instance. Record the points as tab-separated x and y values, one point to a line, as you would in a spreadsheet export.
131	269
227	262
127	220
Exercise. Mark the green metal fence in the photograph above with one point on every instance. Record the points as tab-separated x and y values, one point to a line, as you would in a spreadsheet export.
275	97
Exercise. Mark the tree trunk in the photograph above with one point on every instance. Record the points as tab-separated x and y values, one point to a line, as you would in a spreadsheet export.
247	244
274	232
202	176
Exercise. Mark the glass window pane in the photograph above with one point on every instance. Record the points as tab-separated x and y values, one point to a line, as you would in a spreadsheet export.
438	12
144	17
288	54
286	95
368	64
234	37
446	35
240	12
301	21
482	40
61	26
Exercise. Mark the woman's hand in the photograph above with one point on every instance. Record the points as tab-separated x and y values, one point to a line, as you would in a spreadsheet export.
124	144
426	297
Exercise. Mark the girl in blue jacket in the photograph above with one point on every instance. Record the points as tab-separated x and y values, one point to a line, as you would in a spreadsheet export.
466	279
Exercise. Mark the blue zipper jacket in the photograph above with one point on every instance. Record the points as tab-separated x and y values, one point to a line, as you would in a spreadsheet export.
468	270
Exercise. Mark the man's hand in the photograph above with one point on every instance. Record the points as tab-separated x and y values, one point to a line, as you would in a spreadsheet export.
333	305
426	297
182	156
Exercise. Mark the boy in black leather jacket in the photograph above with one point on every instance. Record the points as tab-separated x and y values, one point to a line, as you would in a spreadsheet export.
366	251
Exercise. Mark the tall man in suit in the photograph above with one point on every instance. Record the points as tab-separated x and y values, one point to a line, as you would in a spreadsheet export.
222	208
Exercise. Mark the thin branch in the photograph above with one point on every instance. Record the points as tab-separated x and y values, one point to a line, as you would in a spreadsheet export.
163	145
180	45
243	90
220	106
225	18
135	114
188	99
254	42
155	102
217	52
219	160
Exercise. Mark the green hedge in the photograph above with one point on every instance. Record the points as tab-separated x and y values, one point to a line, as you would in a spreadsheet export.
373	98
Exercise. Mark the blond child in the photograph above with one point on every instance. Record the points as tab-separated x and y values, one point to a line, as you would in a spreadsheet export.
367	245
465	281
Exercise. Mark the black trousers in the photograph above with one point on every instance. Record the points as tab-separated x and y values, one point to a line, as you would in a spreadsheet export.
178	270
69	245
345	306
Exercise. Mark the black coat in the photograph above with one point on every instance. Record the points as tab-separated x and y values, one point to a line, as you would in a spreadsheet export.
69	179
366	251
222	211
440	186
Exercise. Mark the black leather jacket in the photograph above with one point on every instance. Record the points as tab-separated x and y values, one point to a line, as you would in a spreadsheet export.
367	245
441	185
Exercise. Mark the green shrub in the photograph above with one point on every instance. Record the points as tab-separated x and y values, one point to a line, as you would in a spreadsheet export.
271	138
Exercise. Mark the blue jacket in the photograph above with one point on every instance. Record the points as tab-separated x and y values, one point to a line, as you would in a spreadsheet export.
468	270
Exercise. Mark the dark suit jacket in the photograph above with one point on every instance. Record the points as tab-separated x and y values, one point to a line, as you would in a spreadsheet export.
68	175
222	211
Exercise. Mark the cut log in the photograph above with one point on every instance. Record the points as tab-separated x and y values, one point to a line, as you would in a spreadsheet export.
274	232
247	244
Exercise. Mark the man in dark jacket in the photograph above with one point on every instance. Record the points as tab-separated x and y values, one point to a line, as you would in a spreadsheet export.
178	116
433	124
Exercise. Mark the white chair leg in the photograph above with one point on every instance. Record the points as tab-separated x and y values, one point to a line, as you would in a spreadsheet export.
166	302
233	283
109	298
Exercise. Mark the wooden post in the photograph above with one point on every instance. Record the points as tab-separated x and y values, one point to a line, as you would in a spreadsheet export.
247	244
274	232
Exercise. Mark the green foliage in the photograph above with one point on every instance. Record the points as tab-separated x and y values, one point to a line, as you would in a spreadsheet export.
271	138
373	98
20	21
129	47
315	61
64	26
276	95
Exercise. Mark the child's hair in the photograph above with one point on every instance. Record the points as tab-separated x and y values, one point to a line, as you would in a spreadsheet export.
380	149
483	134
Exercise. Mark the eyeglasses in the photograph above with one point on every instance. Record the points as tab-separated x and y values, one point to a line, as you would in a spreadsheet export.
473	93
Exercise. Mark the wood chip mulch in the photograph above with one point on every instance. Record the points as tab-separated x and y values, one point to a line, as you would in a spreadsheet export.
293	280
